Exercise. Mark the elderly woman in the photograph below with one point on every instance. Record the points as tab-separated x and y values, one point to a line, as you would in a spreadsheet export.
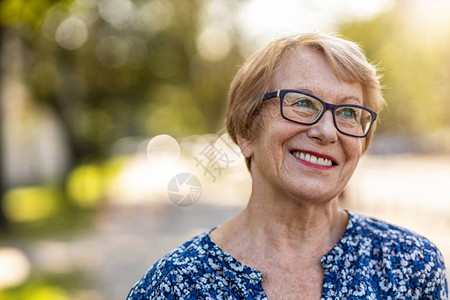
303	111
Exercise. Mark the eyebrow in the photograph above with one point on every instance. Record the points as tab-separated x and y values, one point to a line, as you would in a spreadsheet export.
360	102
341	101
306	90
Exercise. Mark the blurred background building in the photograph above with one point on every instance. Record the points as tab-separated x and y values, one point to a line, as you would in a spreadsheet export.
113	149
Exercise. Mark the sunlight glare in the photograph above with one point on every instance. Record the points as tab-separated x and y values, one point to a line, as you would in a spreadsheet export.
264	20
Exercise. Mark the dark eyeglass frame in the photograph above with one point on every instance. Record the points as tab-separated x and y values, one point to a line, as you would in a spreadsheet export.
281	93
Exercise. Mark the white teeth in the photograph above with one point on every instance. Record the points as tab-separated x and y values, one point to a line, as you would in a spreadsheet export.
313	159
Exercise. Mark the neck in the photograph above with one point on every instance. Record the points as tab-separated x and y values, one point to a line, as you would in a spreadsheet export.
276	222
294	223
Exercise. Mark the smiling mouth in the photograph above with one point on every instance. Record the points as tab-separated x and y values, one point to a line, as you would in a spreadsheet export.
312	159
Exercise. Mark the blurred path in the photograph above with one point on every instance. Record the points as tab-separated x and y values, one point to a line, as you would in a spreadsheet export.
131	238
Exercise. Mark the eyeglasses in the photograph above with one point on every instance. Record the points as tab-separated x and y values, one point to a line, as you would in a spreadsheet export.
303	108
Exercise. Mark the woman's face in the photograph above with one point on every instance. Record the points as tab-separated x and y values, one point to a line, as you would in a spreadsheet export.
278	142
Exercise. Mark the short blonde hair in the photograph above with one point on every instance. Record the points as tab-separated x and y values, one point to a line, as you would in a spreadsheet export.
256	77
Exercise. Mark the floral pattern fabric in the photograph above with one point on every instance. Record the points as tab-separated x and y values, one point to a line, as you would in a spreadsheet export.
372	260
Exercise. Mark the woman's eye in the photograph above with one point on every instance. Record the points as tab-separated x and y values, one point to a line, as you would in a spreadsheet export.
304	103
349	113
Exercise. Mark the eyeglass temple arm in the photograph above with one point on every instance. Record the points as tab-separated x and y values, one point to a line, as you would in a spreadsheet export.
271	95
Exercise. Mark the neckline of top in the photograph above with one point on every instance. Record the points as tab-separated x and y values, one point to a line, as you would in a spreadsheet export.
253	274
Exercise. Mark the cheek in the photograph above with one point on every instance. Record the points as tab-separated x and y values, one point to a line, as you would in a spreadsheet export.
353	149
271	148
361	143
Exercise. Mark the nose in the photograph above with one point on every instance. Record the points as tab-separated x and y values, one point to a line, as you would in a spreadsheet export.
324	130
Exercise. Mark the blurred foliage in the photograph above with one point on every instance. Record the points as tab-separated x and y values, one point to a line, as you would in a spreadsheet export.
87	183
104	70
415	67
117	68
86	187
35	292
27	204
23	12
48	287
69	220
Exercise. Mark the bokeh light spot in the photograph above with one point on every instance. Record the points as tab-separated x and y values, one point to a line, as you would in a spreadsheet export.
213	44
163	149
116	12
156	15
71	34
14	267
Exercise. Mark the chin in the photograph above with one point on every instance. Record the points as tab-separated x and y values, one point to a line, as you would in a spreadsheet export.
313	194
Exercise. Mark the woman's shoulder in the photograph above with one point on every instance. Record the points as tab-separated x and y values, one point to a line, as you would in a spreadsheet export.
388	235
179	265
394	258
396	247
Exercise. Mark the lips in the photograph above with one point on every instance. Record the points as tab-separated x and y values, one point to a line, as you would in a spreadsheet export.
314	158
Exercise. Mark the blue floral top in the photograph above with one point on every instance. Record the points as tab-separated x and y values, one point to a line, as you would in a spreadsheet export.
372	260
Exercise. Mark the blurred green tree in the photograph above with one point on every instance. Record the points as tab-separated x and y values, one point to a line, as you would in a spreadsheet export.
109	69
413	57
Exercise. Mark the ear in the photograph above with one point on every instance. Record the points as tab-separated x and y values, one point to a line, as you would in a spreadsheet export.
246	145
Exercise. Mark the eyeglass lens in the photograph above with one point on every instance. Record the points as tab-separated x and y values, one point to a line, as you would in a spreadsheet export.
305	109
